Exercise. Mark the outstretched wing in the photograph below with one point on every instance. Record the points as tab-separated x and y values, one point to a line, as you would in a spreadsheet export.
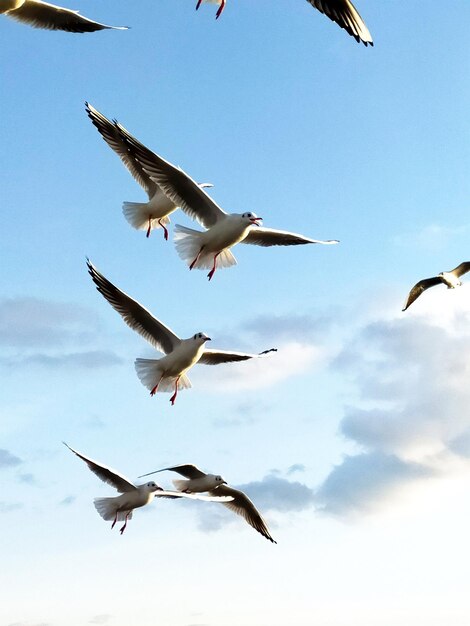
461	269
271	237
216	357
418	289
188	471
114	134
49	16
345	14
223	498
177	185
107	475
134	314
242	505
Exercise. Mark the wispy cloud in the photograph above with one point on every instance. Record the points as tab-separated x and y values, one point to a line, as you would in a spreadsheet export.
7	459
104	618
430	238
67	501
7	507
76	360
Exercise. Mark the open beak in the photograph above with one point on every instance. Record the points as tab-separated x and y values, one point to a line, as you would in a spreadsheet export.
255	220
207	338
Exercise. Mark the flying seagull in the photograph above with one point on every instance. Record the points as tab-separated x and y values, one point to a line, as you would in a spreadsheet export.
140	215
169	372
210	248
198	481
343	12
44	15
133	496
451	279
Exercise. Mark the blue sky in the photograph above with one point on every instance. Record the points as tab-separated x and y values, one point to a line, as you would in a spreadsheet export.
354	439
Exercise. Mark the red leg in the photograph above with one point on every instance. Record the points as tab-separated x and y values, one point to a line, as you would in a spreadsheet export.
150	226
165	230
115	520
155	389
198	4
121	530
196	259
173	397
220	9
212	272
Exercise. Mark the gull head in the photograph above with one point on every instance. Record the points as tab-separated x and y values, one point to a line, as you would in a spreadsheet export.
150	487
251	218
201	338
220	481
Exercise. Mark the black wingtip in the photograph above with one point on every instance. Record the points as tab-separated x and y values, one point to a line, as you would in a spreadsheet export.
267	351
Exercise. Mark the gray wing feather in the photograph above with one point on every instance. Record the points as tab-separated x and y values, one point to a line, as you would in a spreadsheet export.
52	17
461	269
271	237
188	471
107	475
134	314
345	14
115	136
418	289
216	357
242	505
177	185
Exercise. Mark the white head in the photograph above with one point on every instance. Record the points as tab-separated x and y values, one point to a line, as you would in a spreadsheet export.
150	487
200	338
251	219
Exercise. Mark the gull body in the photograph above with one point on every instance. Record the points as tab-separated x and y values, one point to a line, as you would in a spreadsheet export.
450	279
210	248
140	215
120	508
50	16
198	481
169	372
342	12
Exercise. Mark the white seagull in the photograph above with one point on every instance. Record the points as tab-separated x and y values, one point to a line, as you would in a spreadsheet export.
133	496
44	15
451	279
209	248
169	372
343	12
198	481
140	215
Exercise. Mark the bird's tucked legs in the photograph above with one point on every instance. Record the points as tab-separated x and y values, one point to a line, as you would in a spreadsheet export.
123	528
115	520
149	227
220	9
196	259
155	389
173	397
165	230
212	272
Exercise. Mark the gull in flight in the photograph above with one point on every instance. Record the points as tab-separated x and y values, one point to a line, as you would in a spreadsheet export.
451	279
133	496
209	249
169	372
198	481
44	15
140	215
343	12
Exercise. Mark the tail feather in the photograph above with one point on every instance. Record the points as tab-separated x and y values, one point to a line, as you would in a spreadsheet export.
106	507
180	485
188	243
150	373
138	213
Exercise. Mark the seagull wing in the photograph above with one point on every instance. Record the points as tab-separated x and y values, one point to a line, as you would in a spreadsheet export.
345	14
223	498
106	474
134	314
216	357
188	471
242	505
45	15
419	288
177	185
461	269
114	135
270	237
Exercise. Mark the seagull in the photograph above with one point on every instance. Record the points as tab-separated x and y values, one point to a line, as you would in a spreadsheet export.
140	215
343	12
169	372
451	279
198	481
133	496
209	248
44	15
